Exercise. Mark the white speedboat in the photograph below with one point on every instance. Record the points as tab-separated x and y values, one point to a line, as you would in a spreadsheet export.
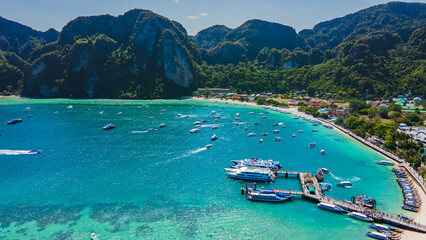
27	109
214	137
236	119
301	131
268	195
215	127
195	130
197	123
251	134
251	174
360	216
212	112
384	162
108	127
264	134
263	116
119	113
294	135
34	152
322	152
246	128
101	112
251	113
344	183
151	118
274	124
162	125
209	145
276	131
236	123
69	107
330	207
377	235
237	114
261	140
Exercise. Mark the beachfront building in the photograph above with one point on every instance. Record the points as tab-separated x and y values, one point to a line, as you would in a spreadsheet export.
338	112
417	133
214	91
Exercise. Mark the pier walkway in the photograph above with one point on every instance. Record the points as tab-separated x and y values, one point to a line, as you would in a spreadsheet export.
307	180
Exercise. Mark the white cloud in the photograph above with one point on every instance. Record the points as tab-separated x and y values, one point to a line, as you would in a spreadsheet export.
203	14
176	1
192	17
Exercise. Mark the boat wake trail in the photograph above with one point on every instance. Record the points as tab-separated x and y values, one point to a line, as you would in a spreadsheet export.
352	179
335	177
355	179
139	131
191	153
16	152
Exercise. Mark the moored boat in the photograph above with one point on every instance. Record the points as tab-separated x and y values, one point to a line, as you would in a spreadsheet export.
162	125
245	128
14	121
277	139
330	207
251	134
251	174
256	123
195	130
196	123
322	152
360	216
344	183
314	130
264	134
119	113
259	163
251	113
215	127
261	140
27	109
294	135
384	162
312	144
108	127
214	137
276	131
69	107
377	235
301	131
325	186
268	196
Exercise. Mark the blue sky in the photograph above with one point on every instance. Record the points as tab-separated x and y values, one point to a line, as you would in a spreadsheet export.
194	15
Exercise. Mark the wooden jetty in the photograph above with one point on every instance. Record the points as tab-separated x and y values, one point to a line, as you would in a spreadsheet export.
307	179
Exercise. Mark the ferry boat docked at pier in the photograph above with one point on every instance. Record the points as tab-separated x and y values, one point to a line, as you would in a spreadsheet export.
268	195
255	162
344	183
384	162
360	216
330	207
251	174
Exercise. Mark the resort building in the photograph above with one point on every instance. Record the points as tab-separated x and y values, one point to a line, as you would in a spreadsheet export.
417	133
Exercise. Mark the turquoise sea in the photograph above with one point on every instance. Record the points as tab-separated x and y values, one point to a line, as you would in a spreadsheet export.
128	183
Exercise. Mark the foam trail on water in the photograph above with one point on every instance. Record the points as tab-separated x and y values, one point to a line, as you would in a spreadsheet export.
139	131
335	177
191	153
16	152
355	179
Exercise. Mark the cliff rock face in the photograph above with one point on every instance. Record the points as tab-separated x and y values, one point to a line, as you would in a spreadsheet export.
137	55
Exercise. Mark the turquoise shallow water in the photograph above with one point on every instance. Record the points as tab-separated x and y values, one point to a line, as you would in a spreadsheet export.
164	184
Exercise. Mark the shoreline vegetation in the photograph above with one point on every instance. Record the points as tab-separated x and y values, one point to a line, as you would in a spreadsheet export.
420	216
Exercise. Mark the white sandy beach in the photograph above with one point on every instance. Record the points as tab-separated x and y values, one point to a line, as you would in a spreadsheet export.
420	215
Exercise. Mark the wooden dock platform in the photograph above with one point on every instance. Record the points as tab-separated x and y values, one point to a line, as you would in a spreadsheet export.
308	179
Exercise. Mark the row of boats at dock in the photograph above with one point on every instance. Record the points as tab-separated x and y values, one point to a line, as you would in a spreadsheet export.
412	200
